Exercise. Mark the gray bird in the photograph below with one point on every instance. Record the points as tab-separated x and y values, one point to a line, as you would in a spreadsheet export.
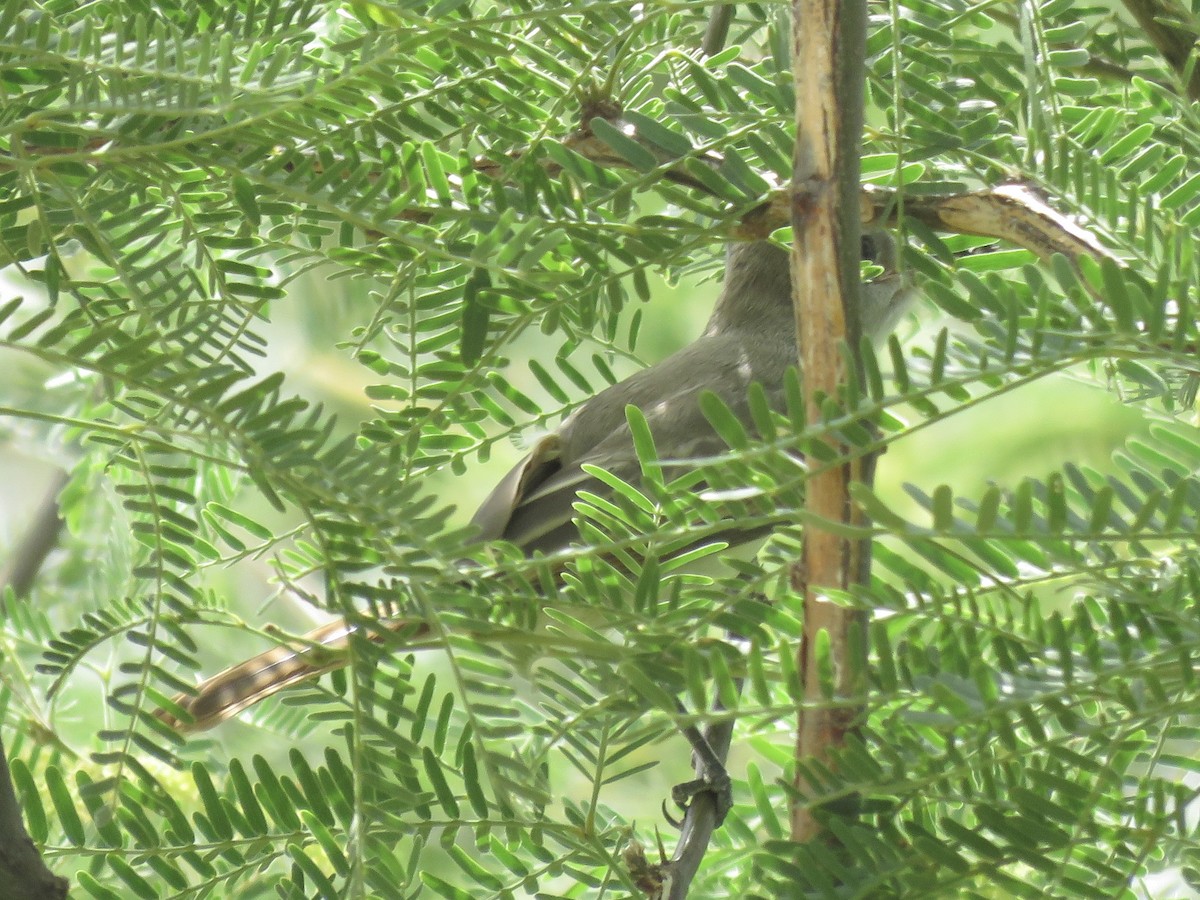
750	337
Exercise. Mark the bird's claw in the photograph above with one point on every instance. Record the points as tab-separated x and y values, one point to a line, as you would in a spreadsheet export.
677	824
713	781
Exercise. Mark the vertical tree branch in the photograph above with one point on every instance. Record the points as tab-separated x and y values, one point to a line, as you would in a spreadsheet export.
827	68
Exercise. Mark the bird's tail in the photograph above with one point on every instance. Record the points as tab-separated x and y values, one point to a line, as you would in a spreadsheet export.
238	687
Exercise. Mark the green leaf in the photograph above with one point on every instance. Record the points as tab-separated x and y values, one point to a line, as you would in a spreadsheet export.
441	788
671	143
64	807
623	144
475	319
247	200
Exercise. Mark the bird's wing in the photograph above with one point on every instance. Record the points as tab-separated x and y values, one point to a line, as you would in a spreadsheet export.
533	506
495	513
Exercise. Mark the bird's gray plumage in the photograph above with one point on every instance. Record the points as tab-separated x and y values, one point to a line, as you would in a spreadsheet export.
750	337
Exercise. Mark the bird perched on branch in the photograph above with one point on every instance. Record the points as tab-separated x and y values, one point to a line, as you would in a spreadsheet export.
750	337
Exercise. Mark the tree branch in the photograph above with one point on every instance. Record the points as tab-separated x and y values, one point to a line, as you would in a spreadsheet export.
700	821
22	871
718	29
1167	26
671	880
828	45
1013	212
993	212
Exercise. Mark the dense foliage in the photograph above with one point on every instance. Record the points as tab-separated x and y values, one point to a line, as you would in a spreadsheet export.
178	181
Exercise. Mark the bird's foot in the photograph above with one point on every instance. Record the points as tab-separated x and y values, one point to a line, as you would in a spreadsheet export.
715	781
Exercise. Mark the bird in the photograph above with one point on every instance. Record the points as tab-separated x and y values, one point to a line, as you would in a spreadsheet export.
750	337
